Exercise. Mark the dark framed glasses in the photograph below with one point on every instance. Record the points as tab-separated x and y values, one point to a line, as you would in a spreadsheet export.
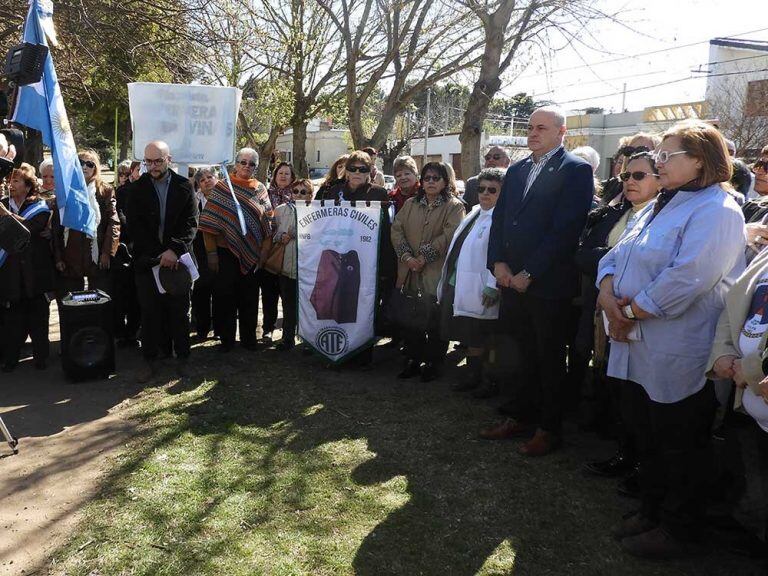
488	189
154	161
87	164
638	176
431	178
250	164
361	169
760	165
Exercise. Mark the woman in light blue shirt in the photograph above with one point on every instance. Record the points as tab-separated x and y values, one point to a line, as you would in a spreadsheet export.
662	288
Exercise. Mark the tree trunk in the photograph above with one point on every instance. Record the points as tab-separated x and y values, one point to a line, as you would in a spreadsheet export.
299	125
125	139
472	128
388	154
265	154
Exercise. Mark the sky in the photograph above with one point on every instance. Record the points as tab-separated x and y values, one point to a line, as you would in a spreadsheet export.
593	72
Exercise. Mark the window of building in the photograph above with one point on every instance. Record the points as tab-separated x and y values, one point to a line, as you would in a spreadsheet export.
318	155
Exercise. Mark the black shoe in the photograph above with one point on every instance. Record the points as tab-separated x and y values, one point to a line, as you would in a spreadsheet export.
250	346
182	367
617	465
488	390
266	338
40	364
9	366
429	372
285	346
630	486
412	368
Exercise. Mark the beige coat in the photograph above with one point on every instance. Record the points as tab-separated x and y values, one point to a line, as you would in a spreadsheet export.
419	230
731	322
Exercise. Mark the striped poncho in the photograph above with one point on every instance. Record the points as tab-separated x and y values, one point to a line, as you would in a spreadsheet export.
219	217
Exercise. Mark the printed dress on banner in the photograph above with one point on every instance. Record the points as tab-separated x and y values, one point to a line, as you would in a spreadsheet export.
338	248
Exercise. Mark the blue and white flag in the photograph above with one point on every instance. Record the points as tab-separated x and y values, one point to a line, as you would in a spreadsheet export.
41	106
29	212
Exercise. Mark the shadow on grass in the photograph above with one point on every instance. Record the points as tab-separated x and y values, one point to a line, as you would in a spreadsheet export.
271	465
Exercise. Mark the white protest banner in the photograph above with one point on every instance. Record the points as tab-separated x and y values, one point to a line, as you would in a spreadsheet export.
198	122
338	248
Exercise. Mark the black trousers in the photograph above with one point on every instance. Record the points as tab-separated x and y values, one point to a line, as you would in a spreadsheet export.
202	303
269	285
127	312
26	317
288	287
236	299
164	318
540	327
674	444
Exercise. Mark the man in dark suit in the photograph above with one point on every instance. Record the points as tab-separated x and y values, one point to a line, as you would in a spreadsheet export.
162	215
535	232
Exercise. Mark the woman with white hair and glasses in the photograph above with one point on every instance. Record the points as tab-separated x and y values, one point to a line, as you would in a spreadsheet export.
233	256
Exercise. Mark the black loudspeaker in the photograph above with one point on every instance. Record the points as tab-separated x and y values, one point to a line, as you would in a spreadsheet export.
24	63
87	338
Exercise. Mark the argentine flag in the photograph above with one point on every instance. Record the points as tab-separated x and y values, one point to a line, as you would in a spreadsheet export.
41	106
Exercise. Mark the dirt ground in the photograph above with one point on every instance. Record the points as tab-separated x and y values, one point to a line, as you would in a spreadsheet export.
67	434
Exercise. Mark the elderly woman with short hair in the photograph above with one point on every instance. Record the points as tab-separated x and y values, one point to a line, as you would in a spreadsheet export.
468	295
77	256
662	288
47	190
234	256
421	234
407	180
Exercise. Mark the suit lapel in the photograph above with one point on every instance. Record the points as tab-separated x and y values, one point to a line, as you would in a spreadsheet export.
542	180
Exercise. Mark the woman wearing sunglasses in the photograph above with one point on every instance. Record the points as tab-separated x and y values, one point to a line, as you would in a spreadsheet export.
285	218
605	225
78	256
756	211
662	288
469	298
357	187
232	256
421	234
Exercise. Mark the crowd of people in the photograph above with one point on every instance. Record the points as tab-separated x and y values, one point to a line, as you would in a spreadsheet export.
648	285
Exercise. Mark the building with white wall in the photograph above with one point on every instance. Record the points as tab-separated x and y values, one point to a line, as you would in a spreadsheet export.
324	144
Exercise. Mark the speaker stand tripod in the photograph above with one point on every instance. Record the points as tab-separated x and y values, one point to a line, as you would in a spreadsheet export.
12	441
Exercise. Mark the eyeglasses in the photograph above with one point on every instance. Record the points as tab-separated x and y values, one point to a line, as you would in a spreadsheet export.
493	157
760	165
638	176
632	150
489	189
301	192
432	178
87	164
361	169
246	163
663	156
154	161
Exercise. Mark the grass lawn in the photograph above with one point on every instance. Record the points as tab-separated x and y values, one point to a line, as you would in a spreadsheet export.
268	464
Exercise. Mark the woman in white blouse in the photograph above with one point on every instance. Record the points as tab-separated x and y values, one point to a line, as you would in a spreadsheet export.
469	299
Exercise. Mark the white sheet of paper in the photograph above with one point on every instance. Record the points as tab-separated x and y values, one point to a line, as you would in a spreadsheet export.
635	335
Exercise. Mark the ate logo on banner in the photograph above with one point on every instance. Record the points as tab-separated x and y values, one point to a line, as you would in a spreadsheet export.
332	341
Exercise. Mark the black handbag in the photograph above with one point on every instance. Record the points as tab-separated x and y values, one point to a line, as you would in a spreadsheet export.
412	310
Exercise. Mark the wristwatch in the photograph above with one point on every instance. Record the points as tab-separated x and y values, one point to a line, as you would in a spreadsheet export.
526	274
627	310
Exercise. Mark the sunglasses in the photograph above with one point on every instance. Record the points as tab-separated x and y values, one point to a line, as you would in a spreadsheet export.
431	178
246	163
638	176
489	189
664	156
494	156
760	165
301	192
632	150
87	164
361	169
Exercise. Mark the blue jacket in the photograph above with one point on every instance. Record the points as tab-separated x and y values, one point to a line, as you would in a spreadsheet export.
540	233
